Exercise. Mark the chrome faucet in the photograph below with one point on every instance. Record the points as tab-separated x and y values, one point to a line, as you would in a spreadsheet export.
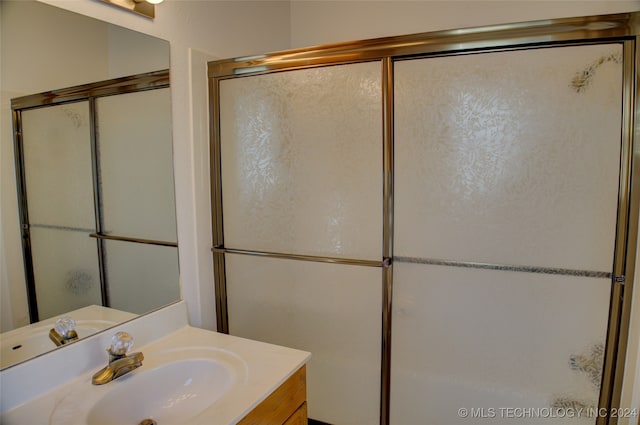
119	362
64	331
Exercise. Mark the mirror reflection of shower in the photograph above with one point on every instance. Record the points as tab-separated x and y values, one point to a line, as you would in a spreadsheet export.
95	182
48	48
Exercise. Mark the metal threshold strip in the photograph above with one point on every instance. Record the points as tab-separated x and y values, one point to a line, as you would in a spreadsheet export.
511	268
320	259
136	240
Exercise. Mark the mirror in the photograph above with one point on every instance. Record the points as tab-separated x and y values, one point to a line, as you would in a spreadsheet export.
45	48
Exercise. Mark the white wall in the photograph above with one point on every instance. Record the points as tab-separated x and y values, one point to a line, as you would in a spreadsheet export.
319	21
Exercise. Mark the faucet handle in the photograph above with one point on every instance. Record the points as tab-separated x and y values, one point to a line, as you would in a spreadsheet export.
121	342
64	326
63	331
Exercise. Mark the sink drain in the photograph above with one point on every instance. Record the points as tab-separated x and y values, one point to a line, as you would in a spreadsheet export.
148	422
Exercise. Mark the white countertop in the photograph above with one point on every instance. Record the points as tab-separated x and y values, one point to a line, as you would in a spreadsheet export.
32	391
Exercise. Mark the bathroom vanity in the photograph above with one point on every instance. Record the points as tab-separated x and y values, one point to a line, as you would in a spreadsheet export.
286	405
188	376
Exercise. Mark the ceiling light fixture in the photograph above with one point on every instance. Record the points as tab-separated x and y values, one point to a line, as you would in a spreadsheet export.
142	7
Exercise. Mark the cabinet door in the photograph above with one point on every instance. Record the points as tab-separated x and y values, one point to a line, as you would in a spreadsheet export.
299	417
508	160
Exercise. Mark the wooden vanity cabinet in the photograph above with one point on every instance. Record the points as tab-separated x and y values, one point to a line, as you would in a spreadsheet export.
287	405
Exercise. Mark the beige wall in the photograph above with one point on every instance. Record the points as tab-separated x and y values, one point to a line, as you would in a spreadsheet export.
319	21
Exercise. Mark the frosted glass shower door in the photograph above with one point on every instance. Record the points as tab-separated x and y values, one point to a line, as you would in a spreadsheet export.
331	310
136	164
506	195
302	161
137	199
56	143
301	155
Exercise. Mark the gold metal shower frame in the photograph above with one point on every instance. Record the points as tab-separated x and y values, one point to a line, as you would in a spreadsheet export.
616	28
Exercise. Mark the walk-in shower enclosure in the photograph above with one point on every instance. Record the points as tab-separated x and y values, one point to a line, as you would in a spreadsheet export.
447	220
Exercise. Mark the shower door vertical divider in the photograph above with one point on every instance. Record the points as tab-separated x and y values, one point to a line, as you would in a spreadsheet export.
220	284
23	211
97	199
387	239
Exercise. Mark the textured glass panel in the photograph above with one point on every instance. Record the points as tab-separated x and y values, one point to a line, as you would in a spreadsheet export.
509	157
302	161
468	338
331	310
141	277
65	267
136	165
57	160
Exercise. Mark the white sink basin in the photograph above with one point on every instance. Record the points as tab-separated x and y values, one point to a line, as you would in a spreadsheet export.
171	387
169	394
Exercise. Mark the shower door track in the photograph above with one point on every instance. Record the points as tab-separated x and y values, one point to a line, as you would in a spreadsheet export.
512	268
134	240
319	259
